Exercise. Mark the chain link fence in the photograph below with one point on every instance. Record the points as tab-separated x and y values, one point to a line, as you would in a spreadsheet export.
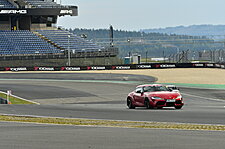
215	56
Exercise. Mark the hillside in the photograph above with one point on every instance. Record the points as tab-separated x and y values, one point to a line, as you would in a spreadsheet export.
214	31
140	42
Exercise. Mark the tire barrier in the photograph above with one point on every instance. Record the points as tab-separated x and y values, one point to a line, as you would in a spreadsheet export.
117	67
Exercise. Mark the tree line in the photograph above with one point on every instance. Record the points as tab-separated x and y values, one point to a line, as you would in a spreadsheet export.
153	44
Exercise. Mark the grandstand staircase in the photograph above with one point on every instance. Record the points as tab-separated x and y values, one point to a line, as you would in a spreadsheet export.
23	4
48	40
13	3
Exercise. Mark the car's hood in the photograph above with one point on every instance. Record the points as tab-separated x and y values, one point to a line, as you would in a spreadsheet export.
163	94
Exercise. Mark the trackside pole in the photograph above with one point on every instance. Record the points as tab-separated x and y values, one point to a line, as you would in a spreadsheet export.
9	93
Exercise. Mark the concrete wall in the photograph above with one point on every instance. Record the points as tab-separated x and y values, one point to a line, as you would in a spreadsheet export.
5	25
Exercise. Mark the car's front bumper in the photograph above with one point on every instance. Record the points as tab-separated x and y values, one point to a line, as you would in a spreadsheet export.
164	103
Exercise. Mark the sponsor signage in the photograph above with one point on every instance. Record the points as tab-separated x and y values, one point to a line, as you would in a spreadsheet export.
16	69
144	66
209	65
168	66
157	66
165	66
13	12
217	65
121	67
69	12
96	68
53	11
198	65
44	68
70	68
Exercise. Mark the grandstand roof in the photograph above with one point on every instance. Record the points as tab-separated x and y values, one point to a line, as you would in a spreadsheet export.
36	7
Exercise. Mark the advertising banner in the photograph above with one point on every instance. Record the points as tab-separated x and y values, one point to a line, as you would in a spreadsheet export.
115	67
61	11
121	67
198	65
16	69
70	68
44	68
209	65
144	66
96	68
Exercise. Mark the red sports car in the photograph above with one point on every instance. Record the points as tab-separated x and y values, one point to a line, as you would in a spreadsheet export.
154	95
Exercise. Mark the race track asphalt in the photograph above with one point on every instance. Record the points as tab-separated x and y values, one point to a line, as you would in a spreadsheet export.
41	136
66	95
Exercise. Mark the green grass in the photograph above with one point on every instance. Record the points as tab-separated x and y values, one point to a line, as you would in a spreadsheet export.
111	123
206	86
14	100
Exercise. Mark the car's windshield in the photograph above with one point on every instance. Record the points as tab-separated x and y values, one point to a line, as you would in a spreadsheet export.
155	88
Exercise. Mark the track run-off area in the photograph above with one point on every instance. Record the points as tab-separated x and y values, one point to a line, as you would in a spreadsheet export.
100	96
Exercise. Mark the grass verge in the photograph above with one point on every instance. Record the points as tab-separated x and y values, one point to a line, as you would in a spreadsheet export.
14	100
111	123
203	86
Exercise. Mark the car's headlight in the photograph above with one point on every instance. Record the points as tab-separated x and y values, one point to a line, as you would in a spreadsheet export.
156	98
179	97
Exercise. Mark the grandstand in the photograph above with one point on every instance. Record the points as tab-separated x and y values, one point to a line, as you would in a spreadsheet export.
62	38
24	42
27	28
6	4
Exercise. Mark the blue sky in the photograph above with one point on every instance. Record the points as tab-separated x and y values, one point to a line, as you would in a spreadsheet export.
133	15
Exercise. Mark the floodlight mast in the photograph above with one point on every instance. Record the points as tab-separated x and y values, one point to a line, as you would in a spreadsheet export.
68	50
111	35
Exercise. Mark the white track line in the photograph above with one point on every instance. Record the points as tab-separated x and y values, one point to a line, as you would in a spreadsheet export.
213	99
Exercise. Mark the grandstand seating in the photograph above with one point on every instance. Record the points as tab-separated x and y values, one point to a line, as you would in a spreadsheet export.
24	42
43	4
65	39
6	4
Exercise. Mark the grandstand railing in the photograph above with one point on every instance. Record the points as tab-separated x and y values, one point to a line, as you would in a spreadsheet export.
107	52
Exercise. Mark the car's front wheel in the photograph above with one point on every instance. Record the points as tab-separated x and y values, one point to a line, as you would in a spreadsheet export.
130	104
147	104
